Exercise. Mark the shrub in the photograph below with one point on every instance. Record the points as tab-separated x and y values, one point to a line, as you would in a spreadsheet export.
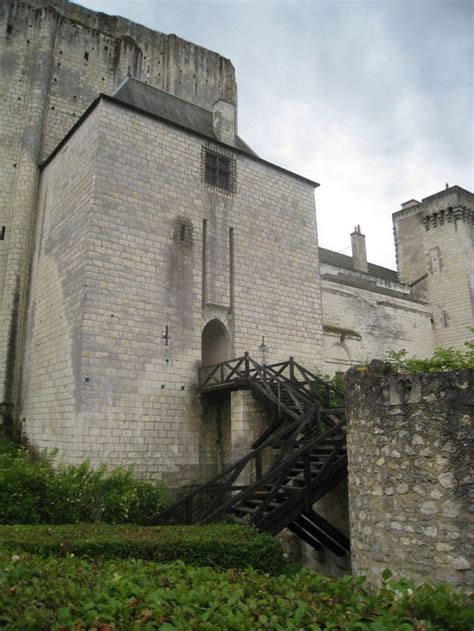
33	491
443	359
335	391
222	545
73	594
7	446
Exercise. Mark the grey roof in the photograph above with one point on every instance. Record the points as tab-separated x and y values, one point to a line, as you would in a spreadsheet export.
342	260
172	108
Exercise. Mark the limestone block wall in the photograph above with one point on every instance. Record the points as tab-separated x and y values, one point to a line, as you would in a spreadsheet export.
56	57
410	474
138	402
248	420
434	240
450	253
53	378
364	317
409	233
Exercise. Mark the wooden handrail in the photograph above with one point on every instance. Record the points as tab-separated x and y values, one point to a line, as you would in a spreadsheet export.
295	433
282	467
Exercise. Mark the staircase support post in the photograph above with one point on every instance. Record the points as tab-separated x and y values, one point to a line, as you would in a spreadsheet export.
247	364
292	368
307	480
258	465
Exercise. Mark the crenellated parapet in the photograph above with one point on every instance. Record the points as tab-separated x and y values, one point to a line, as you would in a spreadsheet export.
448	215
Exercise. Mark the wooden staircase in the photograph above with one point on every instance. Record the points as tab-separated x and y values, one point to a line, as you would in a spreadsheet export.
297	459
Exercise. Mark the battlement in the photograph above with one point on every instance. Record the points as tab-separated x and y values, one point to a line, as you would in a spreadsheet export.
448	215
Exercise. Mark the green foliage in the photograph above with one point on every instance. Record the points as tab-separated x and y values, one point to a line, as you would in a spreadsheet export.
332	386
7	446
225	546
33	491
443	359
73	594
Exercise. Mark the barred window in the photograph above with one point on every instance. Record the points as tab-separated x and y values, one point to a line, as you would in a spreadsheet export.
218	170
183	231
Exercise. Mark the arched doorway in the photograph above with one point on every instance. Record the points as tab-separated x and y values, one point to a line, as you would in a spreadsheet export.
214	343
216	437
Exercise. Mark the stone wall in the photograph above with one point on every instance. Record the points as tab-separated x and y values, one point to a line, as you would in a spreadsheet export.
56	57
365	316
137	401
53	378
434	241
410	473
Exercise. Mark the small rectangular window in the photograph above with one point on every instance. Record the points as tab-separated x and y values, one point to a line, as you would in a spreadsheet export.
218	170
2	233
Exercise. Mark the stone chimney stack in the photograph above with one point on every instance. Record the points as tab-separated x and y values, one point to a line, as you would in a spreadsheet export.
224	121
359	253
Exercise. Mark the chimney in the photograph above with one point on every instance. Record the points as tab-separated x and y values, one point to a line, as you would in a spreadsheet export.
223	121
359	253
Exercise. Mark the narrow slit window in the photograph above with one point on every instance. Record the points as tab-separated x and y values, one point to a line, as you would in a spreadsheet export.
2	233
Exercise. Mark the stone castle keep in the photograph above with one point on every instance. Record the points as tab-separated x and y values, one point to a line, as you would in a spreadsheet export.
141	238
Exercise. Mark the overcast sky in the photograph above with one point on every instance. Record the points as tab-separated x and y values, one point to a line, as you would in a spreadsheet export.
372	99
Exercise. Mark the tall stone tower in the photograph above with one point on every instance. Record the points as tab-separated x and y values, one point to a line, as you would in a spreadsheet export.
434	241
140	240
56	58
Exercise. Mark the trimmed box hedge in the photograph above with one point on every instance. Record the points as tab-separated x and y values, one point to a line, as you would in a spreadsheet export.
221	545
71	594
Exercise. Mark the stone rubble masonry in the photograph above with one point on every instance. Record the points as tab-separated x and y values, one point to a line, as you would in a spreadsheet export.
108	277
56	57
410	474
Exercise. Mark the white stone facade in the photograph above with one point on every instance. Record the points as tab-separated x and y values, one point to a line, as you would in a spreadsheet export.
435	248
364	317
109	277
55	58
115	258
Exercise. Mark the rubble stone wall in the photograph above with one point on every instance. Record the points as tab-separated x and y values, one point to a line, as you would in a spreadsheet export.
410	473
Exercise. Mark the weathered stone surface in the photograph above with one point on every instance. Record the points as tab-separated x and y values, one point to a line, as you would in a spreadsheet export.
56	57
411	513
434	241
108	277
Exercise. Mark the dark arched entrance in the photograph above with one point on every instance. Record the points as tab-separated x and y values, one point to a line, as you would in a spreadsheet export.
215	343
216	450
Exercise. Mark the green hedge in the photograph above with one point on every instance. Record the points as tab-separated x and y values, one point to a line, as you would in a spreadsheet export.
75	594
33	491
222	545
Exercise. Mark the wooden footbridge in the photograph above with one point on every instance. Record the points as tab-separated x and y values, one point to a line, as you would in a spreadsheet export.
299	457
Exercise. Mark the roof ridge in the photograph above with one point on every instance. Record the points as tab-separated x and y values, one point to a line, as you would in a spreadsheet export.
154	87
